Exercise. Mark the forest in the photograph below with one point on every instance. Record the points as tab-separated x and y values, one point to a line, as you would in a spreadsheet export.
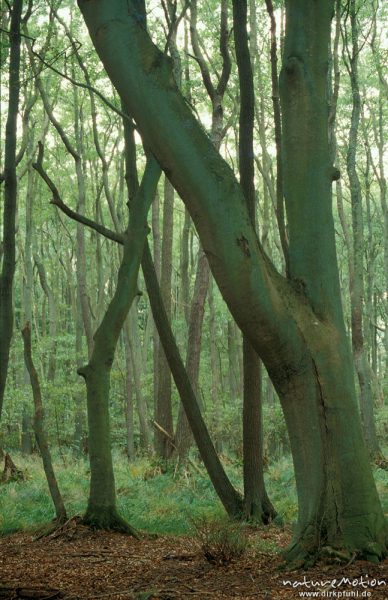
193	299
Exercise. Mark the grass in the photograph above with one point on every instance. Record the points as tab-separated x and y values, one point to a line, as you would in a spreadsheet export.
164	503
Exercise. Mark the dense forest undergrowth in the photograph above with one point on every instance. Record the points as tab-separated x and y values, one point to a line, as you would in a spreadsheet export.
154	496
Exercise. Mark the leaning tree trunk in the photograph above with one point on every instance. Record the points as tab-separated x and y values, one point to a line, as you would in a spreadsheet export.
183	437
40	433
10	196
163	407
297	325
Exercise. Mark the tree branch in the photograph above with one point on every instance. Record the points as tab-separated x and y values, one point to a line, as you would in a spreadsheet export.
58	202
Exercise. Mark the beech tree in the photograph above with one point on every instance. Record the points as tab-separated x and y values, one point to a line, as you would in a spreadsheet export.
294	323
8	250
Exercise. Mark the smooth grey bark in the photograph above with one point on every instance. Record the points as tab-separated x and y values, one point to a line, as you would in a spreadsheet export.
256	502
10	198
296	326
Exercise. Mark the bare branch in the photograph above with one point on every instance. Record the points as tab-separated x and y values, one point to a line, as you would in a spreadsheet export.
57	201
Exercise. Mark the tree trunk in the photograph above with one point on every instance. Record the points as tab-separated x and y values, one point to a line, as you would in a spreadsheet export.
184	267
145	433
215	368
357	288
101	511
197	312
256	501
10	198
128	398
40	433
52	309
229	497
163	408
296	326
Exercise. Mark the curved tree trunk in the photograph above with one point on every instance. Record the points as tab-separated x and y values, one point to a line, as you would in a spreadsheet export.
101	511
296	326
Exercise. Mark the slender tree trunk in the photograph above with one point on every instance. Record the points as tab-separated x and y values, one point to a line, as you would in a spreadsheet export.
184	267
145	433
81	251
101	511
227	494
256	501
156	246
52	309
163	408
197	312
10	198
215	368
357	284
40	433
128	398
278	136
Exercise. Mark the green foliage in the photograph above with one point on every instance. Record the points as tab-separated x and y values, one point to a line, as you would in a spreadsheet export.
163	503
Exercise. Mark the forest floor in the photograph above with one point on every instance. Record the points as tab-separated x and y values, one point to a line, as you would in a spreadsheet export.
79	564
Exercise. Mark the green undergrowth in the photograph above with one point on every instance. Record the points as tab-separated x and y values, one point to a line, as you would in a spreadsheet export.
151	498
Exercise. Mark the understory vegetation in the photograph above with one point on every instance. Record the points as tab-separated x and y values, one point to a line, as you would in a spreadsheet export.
154	499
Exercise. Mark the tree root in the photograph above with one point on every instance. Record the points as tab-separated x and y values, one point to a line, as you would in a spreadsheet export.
303	556
108	519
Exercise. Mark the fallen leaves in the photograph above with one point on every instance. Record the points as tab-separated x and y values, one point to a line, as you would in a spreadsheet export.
80	564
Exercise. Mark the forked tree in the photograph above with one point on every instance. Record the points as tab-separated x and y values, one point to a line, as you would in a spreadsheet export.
296	323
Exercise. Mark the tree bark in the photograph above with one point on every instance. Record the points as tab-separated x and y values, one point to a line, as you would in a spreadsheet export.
163	408
40	433
256	502
357	287
10	198
101	511
296	327
229	497
52	309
